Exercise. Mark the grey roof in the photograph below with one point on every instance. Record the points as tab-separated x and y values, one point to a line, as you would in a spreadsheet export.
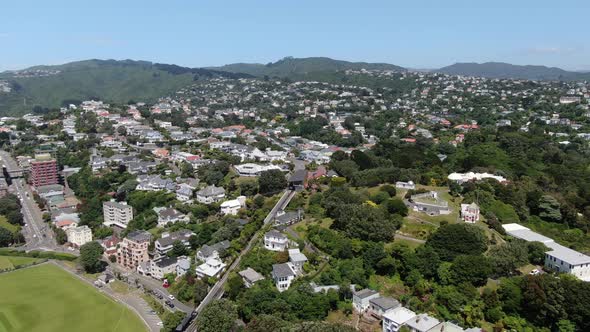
422	322
139	236
211	191
385	303
287	217
448	327
282	270
298	176
251	275
117	205
364	293
165	261
170	213
49	188
207	250
528	235
566	254
274	233
181	235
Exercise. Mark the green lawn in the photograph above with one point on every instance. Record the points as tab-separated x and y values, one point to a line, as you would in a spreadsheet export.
46	298
10	262
5	224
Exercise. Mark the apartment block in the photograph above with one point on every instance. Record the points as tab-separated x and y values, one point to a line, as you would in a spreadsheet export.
43	170
133	250
117	213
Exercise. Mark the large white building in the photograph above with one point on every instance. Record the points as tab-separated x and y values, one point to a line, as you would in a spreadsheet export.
117	213
275	241
558	258
233	206
253	169
79	235
471	176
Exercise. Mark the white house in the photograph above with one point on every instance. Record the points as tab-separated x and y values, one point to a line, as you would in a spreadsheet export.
470	213
211	251
275	241
169	216
253	169
283	274
405	185
297	259
382	305
422	323
166	242
162	266
183	264
395	319
211	268
360	299
233	206
558	258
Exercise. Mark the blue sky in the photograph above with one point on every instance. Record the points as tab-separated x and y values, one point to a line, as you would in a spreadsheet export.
418	34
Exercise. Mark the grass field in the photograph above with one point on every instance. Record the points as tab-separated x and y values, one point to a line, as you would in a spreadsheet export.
46	298
10	262
5	224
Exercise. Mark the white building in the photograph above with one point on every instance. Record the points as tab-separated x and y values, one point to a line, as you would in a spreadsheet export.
395	319
361	299
79	235
283	275
210	194
253	169
211	268
117	213
162	266
233	206
471	176
275	241
297	259
405	185
558	258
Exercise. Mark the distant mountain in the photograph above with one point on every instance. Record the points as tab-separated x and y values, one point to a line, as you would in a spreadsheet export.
290	66
109	80
506	70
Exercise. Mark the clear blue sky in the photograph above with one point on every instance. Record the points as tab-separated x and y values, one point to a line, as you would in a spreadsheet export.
418	34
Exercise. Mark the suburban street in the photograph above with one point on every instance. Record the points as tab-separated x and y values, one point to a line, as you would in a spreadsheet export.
216	292
38	235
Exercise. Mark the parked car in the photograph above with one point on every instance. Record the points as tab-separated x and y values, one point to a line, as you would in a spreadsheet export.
171	297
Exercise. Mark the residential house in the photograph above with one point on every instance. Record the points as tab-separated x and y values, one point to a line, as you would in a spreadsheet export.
233	206
166	242
283	275
212	251
470	213
184	193
297	260
287	218
395	319
253	169
360	299
183	265
210	194
162	266
297	180
421	323
429	203
381	305
449	327
405	185
275	241
110	245
169	216
250	277
559	258
211	268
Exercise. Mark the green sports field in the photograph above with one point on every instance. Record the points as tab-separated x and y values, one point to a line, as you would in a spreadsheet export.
10	262
46	298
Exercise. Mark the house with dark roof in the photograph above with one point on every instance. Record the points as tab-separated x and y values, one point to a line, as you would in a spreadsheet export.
165	243
169	216
297	180
212	251
250	277
381	305
210	194
360	299
287	218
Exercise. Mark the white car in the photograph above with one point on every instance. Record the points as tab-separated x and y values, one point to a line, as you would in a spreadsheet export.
160	324
171	297
535	272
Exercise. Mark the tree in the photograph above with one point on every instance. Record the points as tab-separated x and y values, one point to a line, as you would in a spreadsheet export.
90	254
508	257
6	237
265	323
60	236
536	252
549	209
471	268
565	325
219	315
452	240
178	249
366	223
271	182
171	320
396	205
389	189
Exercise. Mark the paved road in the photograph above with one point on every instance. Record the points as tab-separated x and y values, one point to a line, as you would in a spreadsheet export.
37	233
216	292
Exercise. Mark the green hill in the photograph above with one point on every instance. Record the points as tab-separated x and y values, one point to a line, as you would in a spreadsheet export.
506	70
109	80
289	67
